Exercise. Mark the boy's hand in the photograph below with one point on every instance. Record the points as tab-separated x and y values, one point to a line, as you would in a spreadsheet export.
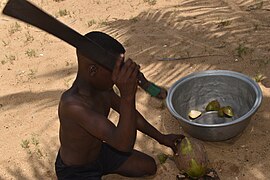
170	140
125	77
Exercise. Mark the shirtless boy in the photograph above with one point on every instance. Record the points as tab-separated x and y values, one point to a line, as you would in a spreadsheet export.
91	145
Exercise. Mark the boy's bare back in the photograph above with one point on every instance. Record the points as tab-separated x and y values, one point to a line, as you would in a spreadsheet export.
79	147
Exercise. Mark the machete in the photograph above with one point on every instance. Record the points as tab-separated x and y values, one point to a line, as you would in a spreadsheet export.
29	13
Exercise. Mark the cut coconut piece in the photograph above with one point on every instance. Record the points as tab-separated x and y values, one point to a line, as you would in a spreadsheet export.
193	114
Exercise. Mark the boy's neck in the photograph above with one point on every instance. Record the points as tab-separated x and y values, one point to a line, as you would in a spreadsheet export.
85	88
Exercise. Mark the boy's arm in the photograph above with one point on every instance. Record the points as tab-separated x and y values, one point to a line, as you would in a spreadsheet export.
146	128
141	124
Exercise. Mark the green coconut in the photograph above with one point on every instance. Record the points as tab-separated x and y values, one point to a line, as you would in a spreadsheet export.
191	158
213	106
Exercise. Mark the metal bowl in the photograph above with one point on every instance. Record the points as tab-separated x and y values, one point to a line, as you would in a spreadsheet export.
196	90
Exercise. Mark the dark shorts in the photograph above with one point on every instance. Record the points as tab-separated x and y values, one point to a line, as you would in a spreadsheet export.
108	161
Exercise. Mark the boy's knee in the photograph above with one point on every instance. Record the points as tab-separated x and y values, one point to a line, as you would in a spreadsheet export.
152	167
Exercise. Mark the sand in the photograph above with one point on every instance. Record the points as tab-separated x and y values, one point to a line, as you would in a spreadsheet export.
207	34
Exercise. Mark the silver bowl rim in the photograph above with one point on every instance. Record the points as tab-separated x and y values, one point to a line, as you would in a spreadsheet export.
238	75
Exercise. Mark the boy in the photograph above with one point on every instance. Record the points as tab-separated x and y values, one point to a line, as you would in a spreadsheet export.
91	145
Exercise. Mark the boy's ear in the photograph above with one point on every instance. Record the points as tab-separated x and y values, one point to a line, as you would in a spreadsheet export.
92	70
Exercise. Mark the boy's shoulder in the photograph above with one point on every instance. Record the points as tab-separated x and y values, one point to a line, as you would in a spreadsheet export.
68	98
71	105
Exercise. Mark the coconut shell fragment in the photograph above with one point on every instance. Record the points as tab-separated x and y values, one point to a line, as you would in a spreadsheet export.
162	158
213	106
226	111
220	112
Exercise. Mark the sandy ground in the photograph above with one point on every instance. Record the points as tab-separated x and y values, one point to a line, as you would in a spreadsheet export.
213	34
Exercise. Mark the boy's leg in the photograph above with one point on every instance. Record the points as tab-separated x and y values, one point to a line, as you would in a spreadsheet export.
137	165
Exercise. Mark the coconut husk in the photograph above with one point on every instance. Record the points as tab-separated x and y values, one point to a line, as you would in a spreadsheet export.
191	157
